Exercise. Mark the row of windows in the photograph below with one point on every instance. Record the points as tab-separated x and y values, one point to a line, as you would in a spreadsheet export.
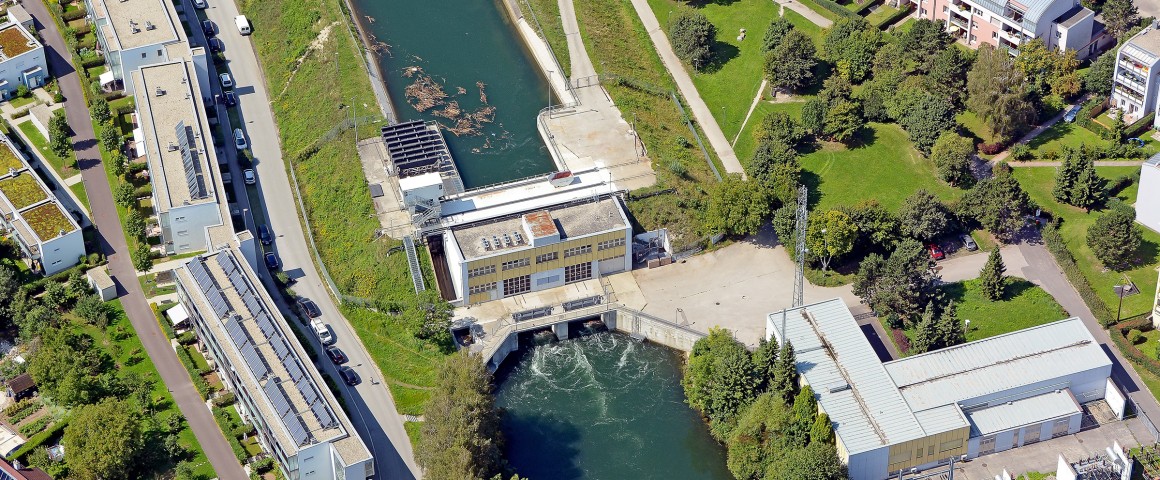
578	272
512	264
476	272
547	257
607	244
581	250
517	285
487	287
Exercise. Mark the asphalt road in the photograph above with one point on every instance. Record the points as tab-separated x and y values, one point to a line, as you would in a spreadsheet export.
113	243
373	410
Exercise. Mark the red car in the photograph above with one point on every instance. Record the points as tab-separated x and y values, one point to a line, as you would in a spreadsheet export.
936	253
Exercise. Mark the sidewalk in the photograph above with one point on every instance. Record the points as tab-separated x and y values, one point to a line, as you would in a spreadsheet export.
1001	156
1098	163
701	111
807	12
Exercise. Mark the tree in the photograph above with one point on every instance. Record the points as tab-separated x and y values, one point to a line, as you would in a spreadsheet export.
756	441
818	461
785	223
94	311
135	224
785	374
1011	114
775	32
99	108
111	139
998	203
900	286
778	127
843	120
68	367
877	93
35	320
823	430
692	37
1119	17
118	163
830	235
813	116
9	285
948	74
995	92
775	165
142	257
1114	237
125	195
923	216
928	117
877	227
104	440
764	363
1048	69
1067	174
952	154
58	133
991	279
737	207
850	44
462	438
928	334
720	379
1089	189
56	296
22	91
1098	78
925	40
790	65
953	332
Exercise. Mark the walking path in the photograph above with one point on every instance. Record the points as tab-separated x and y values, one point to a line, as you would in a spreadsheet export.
752	107
112	242
807	12
1001	156
1098	163
685	83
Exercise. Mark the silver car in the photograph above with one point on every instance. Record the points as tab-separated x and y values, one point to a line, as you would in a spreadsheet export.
969	243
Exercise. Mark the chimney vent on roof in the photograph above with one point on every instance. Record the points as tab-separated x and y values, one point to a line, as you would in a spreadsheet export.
159	91
172	146
149	25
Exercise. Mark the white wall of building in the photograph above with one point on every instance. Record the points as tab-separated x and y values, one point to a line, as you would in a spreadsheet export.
1076	37
868	465
134	58
1148	200
185	226
12	71
62	252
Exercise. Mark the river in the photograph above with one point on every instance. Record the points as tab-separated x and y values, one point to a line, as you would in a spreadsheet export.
457	43
603	407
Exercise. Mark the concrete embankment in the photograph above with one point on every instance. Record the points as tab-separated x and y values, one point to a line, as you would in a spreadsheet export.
371	63
542	53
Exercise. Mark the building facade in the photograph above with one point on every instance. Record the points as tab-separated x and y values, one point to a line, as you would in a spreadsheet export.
1135	82
136	33
279	391
535	250
175	133
1062	24
1148	200
955	403
22	60
50	239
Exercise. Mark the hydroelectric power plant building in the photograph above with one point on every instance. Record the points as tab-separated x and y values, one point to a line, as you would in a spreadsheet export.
955	403
297	418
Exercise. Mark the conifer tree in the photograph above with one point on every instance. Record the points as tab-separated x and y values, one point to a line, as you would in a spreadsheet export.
785	376
991	279
822	431
927	335
953	330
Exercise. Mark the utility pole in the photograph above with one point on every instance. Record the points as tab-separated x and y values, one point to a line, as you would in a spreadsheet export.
800	225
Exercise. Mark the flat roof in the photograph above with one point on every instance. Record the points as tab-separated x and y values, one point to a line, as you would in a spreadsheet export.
521	196
853	387
1145	45
1027	411
18	14
101	278
15	41
1073	16
1154	161
171	117
573	220
35	212
136	23
996	364
289	392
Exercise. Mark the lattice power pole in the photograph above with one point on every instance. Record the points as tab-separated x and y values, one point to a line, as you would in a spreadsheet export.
799	287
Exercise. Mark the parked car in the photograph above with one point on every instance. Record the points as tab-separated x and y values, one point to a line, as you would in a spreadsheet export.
248	176
969	243
240	139
1136	142
348	376
230	98
936	253
216	45
243	24
200	4
272	261
336	355
207	27
322	331
1071	114
264	234
309	308
227	80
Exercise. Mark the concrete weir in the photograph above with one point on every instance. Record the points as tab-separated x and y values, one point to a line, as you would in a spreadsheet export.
614	316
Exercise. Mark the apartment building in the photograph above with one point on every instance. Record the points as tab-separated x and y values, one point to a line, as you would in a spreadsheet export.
49	238
173	131
1062	24
279	391
136	33
22	59
547	245
1135	81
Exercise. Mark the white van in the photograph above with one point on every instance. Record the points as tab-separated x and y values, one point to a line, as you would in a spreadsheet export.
322	331
243	24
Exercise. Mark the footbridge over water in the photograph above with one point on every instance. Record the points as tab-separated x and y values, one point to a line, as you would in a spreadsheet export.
496	345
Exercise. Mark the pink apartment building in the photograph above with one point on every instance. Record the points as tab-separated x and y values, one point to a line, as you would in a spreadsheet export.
1062	24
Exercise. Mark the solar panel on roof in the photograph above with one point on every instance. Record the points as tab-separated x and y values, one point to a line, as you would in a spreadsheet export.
218	302
266	325
237	281
252	303
280	348
297	429
254	360
226	262
323	414
201	275
193	177
236	331
277	397
293	369
307	390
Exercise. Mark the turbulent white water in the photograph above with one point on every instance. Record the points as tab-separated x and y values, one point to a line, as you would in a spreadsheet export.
604	406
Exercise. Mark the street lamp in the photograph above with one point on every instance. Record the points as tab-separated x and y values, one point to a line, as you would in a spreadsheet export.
1121	290
825	250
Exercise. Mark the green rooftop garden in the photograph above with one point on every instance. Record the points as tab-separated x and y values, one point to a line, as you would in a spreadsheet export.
9	160
22	190
47	221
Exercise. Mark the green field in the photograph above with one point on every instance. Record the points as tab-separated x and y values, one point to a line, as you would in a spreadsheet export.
975	126
63	166
547	16
746	144
1039	182
1063	134
1024	305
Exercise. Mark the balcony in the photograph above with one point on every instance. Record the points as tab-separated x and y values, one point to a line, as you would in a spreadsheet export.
1129	92
1136	82
957	20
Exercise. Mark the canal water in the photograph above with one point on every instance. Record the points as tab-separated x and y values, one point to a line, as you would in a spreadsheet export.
603	406
463	48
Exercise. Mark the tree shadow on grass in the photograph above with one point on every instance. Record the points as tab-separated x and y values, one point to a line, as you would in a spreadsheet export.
813	183
1060	130
722	54
1146	254
1015	287
863	138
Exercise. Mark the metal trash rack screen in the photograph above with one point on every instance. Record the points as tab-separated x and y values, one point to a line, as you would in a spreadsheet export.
532	314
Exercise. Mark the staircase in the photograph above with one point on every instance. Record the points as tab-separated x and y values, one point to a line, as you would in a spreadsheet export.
413	262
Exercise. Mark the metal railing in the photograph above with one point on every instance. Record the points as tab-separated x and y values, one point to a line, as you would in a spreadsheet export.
413	263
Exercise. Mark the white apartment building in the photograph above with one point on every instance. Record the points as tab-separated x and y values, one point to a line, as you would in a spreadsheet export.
22	60
279	391
1006	24
50	239
1135	81
188	193
135	33
1148	199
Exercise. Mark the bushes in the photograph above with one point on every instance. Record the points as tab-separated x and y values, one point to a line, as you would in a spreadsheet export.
692	36
224	400
227	425
36	426
1128	348
839	10
1089	111
1066	261
1135	336
37	440
165	326
199	383
990	148
71	15
1139	126
93	62
187	338
1021	152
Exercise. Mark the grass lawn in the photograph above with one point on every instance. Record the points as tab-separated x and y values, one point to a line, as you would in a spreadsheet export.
1024	305
1038	183
821	11
1063	134
804	25
408	364
880	15
975	126
20	102
547	15
65	167
730	83
1149	347
745	142
78	189
149	286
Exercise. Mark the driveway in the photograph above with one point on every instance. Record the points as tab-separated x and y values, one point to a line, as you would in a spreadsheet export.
373	410
113	243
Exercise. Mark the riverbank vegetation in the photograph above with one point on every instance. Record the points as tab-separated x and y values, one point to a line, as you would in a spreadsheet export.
772	430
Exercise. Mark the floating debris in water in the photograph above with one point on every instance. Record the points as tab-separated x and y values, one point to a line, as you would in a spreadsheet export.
482	95
425	93
461	90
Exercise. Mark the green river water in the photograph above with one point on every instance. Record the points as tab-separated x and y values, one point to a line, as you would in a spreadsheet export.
458	43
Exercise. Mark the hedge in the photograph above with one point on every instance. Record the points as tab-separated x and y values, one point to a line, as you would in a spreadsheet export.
74	14
866	6
899	15
226	424
39	439
93	62
1090	110
1134	354
199	383
165	326
1066	260
1139	126
835	8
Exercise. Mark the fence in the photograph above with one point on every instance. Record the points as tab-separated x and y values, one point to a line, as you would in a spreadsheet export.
697	136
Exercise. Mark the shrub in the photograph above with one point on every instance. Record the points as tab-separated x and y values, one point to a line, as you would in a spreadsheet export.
264	465
990	148
224	400
692	37
1021	152
187	338
1135	336
73	15
900	340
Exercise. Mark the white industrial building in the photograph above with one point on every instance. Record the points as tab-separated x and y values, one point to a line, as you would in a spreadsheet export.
50	239
136	33
174	132
1148	200
1135	84
960	402
279	391
22	59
